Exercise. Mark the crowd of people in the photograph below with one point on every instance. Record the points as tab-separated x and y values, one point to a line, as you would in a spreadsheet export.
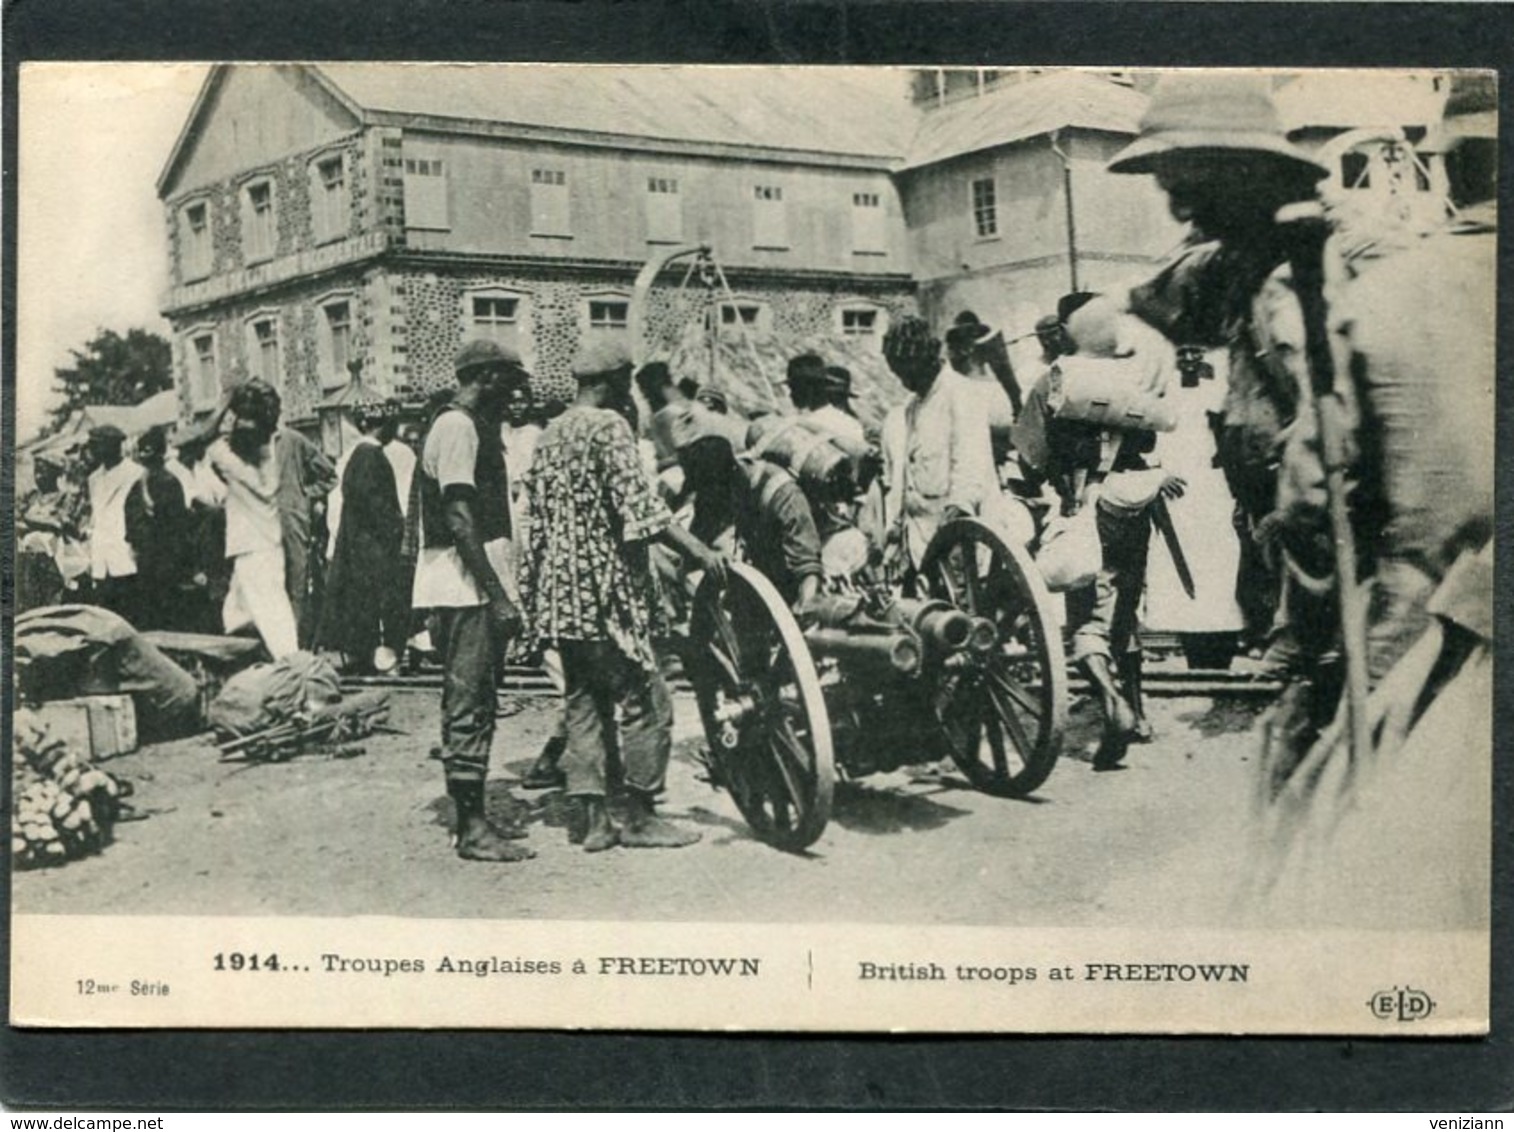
577	532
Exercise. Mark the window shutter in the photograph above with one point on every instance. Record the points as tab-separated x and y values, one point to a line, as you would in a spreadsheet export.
426	193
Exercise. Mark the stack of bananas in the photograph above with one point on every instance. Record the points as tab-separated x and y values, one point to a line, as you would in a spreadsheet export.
62	805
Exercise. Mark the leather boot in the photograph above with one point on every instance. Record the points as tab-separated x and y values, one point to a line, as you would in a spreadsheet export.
1130	677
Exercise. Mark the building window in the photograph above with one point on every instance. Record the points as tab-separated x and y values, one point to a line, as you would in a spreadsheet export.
861	320
609	314
664	211
740	313
195	230
985	208
426	193
336	342
867	224
770	220
204	370
329	203
500	316
263	353
549	203
259	223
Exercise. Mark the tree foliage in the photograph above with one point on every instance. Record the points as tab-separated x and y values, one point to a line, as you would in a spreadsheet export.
113	369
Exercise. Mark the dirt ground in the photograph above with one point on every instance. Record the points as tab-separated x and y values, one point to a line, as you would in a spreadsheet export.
323	836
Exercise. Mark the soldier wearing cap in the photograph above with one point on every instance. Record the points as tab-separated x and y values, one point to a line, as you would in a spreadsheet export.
462	529
587	591
112	564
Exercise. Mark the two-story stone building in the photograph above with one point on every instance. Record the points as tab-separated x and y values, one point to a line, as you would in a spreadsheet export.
321	216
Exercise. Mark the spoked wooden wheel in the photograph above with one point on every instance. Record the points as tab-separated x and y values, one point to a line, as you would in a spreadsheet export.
763	709
1003	711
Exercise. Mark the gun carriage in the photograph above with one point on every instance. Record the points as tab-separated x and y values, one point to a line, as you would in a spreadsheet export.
962	659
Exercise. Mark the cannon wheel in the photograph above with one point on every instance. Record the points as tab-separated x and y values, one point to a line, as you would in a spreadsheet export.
1003	715
756	683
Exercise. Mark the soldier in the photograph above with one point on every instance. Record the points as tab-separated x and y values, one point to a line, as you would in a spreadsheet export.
1411	355
937	457
462	527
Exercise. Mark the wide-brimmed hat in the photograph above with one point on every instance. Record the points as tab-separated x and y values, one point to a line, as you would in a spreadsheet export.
966	329
600	358
1208	113
484	352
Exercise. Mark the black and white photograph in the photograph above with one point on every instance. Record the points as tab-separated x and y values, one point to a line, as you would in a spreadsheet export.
799	548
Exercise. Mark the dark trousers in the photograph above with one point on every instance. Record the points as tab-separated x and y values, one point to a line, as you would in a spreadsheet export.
1105	616
122	596
599	678
472	651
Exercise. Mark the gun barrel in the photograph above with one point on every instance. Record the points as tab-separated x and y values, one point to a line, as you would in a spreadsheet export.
899	649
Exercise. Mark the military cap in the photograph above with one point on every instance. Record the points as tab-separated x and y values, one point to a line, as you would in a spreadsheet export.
806	369
838	379
107	432
1217	114
484	352
600	358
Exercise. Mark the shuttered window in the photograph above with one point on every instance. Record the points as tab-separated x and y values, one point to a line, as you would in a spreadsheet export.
664	211
195	231
328	198
204	372
259	224
549	203
770	218
867	224
426	193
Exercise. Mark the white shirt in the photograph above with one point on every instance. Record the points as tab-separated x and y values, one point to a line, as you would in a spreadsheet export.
402	460
441	579
936	453
206	487
252	507
185	477
110	555
836	421
334	498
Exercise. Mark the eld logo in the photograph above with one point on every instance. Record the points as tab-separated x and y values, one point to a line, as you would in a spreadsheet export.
1402	1004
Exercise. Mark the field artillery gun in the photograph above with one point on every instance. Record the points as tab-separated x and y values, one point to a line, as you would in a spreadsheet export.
962	659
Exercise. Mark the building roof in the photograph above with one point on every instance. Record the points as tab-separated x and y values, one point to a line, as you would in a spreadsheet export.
159	409
1346	100
1017	111
857	111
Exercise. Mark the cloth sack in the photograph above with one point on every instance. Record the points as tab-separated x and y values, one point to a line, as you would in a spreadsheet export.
1071	555
266	694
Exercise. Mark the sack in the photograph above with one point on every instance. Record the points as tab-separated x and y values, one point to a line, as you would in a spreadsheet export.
1107	393
266	694
1071	555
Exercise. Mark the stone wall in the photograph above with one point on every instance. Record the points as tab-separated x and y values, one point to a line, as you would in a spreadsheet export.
434	324
290	178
